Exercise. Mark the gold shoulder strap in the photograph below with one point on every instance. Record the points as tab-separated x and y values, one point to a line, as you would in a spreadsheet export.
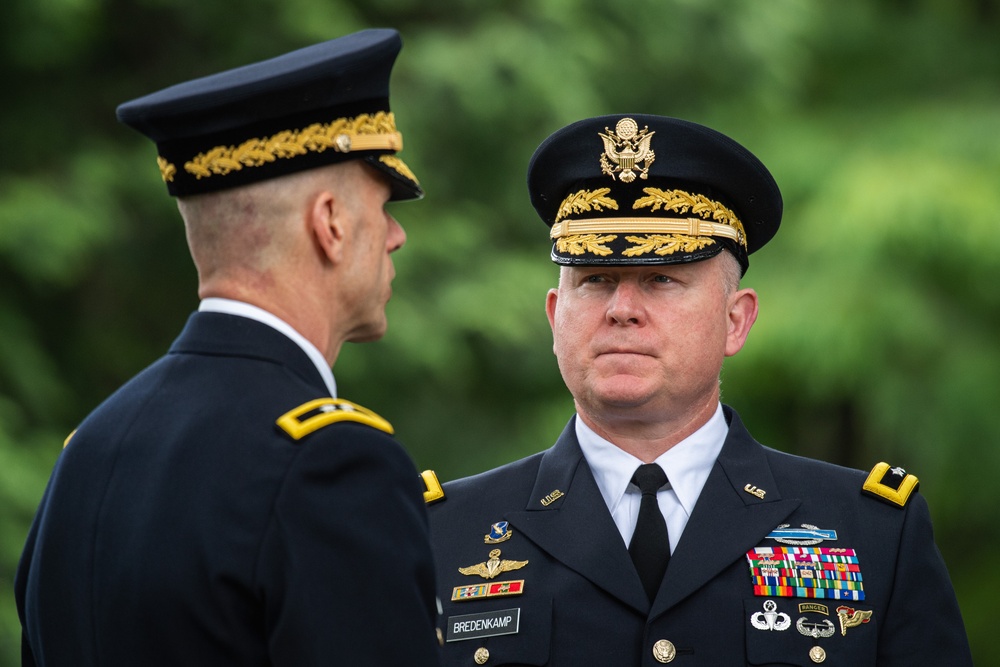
894	485
314	415
433	491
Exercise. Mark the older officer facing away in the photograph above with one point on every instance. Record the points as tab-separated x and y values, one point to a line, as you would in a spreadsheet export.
656	530
224	507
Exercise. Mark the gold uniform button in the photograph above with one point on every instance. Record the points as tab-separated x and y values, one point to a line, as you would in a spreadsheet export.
481	656
664	651
817	654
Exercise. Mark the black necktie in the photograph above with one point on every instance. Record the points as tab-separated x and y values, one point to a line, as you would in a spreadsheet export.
650	546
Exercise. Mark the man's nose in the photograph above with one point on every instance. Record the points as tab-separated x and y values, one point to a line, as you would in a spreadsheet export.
626	307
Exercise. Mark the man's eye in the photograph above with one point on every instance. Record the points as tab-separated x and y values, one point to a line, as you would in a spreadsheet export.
662	279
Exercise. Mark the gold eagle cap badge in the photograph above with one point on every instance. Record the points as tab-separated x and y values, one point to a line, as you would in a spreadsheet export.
493	566
626	150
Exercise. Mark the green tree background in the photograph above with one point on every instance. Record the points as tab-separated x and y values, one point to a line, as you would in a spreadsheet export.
880	120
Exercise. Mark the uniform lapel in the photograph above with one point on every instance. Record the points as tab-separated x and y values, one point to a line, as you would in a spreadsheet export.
574	525
728	519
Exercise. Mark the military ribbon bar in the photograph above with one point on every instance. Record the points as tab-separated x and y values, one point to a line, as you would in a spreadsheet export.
807	572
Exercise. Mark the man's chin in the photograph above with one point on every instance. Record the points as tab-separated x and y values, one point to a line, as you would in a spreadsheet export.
368	334
623	391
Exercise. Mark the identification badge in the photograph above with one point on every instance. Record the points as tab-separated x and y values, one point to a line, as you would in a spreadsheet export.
487	624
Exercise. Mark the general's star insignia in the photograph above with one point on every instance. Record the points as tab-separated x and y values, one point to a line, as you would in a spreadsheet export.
493	566
899	472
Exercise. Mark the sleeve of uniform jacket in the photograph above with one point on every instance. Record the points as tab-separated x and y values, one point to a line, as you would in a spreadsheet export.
923	624
345	566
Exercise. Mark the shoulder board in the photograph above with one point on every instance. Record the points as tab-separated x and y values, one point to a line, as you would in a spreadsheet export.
893	485
321	412
433	491
68	438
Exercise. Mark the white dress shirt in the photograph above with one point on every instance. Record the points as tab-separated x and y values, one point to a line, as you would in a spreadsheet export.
242	309
687	465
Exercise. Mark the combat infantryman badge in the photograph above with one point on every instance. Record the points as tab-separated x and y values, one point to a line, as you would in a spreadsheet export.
629	149
807	535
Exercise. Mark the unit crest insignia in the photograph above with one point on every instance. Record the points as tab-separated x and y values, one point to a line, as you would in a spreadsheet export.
628	148
499	532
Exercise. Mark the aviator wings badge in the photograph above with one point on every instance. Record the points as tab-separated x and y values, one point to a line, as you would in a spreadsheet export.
628	149
493	566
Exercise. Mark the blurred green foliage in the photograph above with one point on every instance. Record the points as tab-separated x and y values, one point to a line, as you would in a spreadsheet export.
879	311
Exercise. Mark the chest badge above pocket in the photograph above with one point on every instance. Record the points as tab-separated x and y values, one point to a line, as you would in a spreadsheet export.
806	536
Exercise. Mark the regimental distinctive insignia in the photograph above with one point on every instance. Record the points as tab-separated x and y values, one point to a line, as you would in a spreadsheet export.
851	618
628	149
483	591
499	532
807	535
771	619
806	572
891	484
493	566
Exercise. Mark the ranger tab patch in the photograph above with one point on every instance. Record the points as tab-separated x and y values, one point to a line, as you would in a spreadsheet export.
894	485
316	414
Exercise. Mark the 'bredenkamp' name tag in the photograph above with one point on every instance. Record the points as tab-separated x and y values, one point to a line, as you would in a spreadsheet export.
488	624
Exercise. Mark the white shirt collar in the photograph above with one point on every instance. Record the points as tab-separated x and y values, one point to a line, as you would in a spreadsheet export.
243	309
687	464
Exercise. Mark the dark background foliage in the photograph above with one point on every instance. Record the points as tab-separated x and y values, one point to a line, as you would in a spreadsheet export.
879	310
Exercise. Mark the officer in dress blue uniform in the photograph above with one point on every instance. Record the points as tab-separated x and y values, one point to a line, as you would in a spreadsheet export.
224	507
657	530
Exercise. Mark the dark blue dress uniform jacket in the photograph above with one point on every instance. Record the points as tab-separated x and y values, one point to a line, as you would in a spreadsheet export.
182	527
582	602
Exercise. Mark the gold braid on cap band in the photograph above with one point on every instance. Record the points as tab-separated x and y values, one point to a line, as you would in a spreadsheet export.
666	235
398	165
360	133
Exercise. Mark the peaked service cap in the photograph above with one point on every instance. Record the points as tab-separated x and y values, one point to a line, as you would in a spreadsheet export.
315	106
642	189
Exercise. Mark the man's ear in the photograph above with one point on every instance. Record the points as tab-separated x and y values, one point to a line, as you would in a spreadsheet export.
325	220
742	315
550	311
